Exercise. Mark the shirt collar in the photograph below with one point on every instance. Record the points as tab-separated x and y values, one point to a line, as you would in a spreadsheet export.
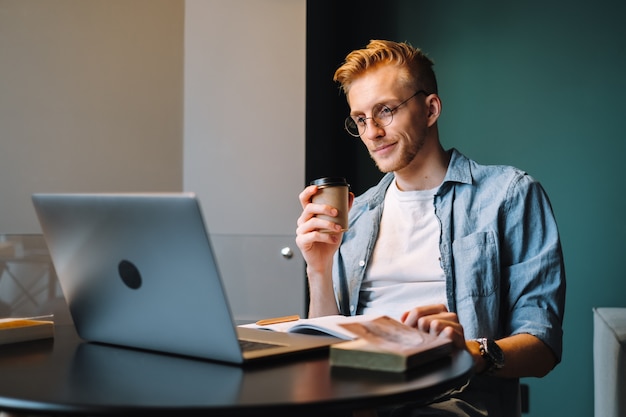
458	171
458	168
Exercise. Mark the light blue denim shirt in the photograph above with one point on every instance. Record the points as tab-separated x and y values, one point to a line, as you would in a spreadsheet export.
500	251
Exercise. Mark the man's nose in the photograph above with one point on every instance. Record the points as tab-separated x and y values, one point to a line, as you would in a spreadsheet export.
374	130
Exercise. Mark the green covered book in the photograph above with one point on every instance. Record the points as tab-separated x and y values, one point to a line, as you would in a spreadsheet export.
385	344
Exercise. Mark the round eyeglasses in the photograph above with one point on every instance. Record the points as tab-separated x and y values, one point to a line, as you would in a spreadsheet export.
382	115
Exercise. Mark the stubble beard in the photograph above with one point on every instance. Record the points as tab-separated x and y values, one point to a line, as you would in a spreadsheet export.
404	159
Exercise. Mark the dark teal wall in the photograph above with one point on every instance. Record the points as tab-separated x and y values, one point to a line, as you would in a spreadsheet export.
542	86
536	84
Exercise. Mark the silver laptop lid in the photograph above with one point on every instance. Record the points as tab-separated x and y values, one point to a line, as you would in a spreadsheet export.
138	270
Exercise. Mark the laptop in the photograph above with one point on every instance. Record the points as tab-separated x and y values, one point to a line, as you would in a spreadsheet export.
138	270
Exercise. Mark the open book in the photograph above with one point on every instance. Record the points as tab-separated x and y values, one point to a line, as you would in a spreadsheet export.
325	326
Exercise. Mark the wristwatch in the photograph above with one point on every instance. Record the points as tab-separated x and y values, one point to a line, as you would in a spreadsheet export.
492	354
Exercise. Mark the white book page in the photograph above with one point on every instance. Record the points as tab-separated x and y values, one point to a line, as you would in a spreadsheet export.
329	325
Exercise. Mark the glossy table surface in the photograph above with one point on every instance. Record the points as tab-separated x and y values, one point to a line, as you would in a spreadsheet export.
67	376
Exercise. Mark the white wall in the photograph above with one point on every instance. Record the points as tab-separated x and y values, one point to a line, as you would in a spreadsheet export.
244	144
245	112
91	99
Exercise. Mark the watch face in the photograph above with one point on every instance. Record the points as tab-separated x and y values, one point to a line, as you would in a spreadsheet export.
496	353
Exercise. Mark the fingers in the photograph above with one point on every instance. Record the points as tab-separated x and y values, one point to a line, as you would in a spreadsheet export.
308	220
411	317
436	319
317	246
306	195
458	337
306	238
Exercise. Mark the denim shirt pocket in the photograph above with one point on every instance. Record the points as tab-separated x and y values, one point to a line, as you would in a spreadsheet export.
476	266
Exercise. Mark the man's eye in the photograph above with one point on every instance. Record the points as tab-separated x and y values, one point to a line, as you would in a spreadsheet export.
360	120
384	111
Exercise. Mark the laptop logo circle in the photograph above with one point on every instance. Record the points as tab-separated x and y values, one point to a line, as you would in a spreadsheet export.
130	274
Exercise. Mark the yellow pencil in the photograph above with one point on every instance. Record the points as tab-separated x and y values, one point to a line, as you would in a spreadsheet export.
276	320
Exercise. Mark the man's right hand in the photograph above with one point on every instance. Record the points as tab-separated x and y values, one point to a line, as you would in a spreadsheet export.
318	249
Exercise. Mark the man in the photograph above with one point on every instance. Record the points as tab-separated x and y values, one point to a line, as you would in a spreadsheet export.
441	243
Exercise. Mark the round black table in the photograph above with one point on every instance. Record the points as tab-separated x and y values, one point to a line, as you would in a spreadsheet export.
67	376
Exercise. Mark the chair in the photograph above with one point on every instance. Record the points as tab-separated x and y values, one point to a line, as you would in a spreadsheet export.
28	281
609	362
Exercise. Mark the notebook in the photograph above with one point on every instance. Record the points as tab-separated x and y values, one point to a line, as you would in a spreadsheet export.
138	270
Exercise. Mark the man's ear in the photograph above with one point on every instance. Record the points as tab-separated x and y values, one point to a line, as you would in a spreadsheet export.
433	103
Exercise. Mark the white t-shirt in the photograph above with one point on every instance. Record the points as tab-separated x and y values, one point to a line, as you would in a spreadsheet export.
405	270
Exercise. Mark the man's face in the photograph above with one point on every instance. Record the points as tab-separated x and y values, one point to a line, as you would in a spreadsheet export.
393	147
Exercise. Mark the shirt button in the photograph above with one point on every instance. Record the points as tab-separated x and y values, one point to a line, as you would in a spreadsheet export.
361	263
352	308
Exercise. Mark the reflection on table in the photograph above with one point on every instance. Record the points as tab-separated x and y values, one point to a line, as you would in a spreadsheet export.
69	376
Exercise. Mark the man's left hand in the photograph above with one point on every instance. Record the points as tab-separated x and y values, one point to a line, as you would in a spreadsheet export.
437	320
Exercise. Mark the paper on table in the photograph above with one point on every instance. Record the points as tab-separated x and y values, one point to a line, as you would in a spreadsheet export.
14	330
47	317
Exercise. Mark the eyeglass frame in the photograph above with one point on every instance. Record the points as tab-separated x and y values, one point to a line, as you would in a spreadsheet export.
350	119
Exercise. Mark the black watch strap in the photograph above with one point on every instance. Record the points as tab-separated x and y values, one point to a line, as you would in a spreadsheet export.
492	354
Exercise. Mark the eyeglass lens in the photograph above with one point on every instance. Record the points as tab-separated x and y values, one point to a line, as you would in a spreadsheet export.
382	116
